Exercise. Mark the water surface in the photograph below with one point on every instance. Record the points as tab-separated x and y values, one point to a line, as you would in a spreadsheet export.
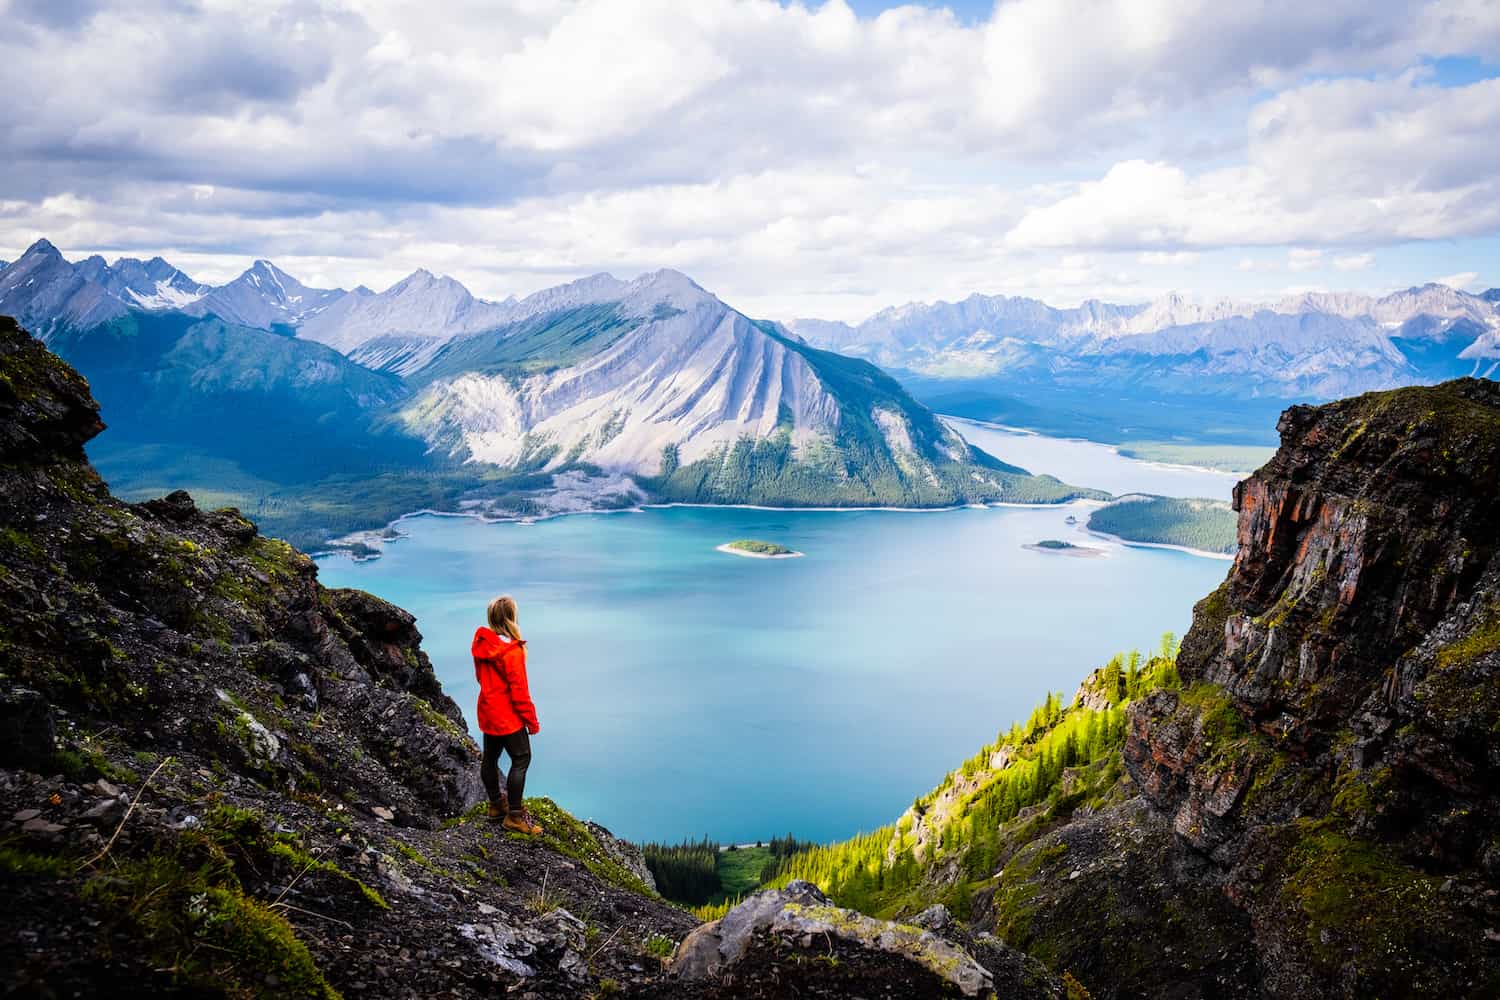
684	692
1088	463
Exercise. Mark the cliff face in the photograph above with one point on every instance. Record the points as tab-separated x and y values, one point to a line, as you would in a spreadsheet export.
1319	812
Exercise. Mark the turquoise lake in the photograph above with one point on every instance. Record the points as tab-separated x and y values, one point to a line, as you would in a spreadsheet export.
683	691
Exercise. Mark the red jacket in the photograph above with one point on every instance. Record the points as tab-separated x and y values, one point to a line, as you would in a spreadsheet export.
504	701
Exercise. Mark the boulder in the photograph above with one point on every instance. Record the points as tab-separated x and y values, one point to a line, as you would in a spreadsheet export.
800	913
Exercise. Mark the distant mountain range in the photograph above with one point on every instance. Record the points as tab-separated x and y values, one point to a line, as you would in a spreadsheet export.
606	390
654	388
1316	345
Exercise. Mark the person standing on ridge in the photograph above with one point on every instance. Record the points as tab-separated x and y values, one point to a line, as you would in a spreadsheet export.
507	717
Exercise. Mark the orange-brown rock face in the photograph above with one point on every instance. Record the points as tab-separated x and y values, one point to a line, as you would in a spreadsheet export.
1328	765
1374	518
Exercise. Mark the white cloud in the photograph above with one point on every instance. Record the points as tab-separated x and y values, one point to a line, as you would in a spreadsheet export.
1465	281
788	154
1395	160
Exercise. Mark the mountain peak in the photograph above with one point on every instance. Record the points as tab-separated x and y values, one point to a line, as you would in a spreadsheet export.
423	280
665	287
42	246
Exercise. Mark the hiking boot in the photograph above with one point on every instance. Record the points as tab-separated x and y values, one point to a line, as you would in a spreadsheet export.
520	821
497	810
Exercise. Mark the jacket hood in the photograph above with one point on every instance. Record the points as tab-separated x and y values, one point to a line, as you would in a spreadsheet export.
489	646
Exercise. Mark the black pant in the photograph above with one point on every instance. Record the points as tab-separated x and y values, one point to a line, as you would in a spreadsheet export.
518	745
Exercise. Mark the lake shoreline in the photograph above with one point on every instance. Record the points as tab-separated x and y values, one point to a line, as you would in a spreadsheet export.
1236	474
374	538
366	545
1187	549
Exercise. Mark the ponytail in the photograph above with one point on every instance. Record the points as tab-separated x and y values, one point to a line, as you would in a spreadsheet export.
502	617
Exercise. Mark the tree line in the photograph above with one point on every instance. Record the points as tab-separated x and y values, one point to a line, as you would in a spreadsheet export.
689	872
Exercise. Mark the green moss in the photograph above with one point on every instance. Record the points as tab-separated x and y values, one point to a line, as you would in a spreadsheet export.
567	836
1483	640
185	908
18	860
437	719
1462	427
301	861
261	937
1359	794
246	830
658	946
1220	720
14	542
1349	898
1014	903
85	761
1269	765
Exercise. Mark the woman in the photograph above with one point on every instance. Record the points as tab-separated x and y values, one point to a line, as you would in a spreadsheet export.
506	714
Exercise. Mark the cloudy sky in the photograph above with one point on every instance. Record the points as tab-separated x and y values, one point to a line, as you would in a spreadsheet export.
799	160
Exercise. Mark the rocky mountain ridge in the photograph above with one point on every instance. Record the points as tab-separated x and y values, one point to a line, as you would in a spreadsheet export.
1316	345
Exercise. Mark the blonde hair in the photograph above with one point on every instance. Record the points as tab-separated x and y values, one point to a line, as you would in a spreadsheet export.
502	616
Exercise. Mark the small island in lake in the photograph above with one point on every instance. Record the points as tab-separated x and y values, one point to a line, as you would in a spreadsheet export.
1064	548
756	549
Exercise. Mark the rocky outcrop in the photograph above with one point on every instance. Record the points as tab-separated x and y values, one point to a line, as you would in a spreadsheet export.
800	920
1318	814
629	856
1374	519
46	412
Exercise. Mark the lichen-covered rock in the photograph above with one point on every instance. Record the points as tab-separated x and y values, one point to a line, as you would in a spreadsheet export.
629	856
555	937
1375	517
935	918
46	411
715	946
801	916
